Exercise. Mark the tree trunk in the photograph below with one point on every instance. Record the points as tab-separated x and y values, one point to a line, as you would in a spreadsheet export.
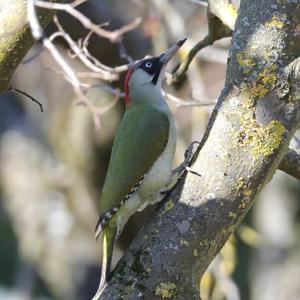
247	137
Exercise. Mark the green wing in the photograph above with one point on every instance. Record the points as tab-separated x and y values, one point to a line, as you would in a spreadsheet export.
142	136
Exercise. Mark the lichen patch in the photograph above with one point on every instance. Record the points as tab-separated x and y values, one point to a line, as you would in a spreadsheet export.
166	290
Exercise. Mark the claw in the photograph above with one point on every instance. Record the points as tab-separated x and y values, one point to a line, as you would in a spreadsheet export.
103	220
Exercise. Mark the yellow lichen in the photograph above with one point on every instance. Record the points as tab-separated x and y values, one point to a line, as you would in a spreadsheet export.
232	215
243	189
263	140
240	183
242	205
247	193
259	89
275	22
195	252
169	205
184	242
244	61
166	290
264	82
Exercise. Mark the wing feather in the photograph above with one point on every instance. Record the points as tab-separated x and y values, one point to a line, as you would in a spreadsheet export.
141	137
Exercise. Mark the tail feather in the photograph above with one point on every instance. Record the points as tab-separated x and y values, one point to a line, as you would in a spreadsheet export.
108	237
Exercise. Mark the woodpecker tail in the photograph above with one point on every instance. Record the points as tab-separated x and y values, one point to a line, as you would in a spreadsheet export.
108	237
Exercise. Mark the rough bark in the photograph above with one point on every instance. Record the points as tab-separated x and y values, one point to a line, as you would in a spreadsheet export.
290	164
15	37
247	136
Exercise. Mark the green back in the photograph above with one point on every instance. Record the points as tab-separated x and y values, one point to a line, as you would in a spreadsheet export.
141	137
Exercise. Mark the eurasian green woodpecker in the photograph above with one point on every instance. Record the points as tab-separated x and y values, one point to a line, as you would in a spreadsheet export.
140	165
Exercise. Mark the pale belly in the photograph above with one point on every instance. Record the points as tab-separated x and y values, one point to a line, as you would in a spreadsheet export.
160	175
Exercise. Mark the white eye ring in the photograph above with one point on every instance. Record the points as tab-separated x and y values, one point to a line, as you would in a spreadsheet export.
148	64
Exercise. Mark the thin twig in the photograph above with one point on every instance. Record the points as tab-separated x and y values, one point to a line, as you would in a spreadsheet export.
80	50
200	2
113	36
77	2
106	75
124	54
27	95
224	11
216	30
67	71
188	103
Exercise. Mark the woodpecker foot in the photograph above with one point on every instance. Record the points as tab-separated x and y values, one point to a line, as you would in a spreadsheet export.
164	192
188	155
190	170
104	219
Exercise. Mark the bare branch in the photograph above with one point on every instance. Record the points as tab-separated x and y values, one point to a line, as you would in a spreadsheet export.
113	36
124	54
224	10
297	140
67	71
290	164
105	75
218	28
200	2
28	96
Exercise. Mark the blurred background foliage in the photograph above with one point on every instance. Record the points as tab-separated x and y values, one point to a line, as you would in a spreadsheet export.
52	166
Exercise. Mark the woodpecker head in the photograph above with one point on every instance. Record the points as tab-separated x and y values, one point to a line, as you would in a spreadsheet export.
147	71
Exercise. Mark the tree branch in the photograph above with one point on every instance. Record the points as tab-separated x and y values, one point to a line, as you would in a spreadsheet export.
290	164
224	10
113	36
221	17
247	137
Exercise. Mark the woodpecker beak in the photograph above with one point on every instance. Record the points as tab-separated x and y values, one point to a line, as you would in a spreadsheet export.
165	57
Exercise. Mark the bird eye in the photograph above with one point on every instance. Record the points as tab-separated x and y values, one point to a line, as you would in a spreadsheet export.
148	64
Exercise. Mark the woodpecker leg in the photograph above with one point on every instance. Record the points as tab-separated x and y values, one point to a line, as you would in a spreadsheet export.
163	192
